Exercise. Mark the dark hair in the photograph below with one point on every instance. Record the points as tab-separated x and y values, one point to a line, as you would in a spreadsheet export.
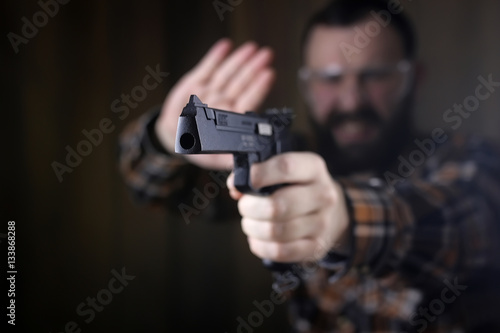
345	13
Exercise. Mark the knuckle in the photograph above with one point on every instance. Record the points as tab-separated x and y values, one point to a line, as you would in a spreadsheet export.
276	208
323	222
320	163
284	164
328	197
275	231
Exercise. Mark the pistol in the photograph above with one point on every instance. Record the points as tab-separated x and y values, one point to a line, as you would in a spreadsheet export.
250	137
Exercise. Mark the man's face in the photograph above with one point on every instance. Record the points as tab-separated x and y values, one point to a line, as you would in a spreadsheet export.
356	93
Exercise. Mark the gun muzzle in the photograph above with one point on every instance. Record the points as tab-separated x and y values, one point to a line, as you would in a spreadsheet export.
188	138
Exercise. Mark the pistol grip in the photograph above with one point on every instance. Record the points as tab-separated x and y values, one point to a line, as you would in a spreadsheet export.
242	173
242	182
242	164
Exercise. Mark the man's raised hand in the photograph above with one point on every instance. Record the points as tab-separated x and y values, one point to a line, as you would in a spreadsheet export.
235	81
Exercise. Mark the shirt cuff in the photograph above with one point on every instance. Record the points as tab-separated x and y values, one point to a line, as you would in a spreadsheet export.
338	262
148	169
372	225
150	140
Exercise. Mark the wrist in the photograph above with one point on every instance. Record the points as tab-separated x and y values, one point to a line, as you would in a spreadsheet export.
157	138
152	141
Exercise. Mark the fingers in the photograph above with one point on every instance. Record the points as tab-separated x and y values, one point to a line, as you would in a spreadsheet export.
300	220
212	161
294	168
254	94
238	81
247	71
288	202
295	251
233	192
231	65
213	58
285	231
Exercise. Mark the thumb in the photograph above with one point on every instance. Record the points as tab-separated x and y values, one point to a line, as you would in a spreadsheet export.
233	192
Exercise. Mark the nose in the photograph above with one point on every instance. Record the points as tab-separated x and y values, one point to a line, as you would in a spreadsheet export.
351	94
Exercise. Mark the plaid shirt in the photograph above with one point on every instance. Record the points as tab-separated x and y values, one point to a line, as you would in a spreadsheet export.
425	239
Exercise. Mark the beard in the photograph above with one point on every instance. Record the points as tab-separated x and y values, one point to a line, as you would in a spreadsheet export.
375	156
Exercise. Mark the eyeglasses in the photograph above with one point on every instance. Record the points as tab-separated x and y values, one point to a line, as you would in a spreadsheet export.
389	81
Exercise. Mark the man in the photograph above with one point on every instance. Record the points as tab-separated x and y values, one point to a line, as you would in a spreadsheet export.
388	230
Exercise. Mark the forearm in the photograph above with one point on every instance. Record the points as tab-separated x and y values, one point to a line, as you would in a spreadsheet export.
439	223
149	171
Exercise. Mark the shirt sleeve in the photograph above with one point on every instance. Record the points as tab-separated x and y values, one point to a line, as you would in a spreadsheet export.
166	181
409	237
440	222
149	171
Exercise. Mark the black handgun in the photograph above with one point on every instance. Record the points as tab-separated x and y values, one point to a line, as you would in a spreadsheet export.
250	137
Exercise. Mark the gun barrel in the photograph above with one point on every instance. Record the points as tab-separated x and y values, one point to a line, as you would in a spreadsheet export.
204	130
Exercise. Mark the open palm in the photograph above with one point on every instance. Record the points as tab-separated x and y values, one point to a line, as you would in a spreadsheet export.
236	81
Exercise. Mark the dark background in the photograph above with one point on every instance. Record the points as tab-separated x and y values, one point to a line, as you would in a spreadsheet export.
72	234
